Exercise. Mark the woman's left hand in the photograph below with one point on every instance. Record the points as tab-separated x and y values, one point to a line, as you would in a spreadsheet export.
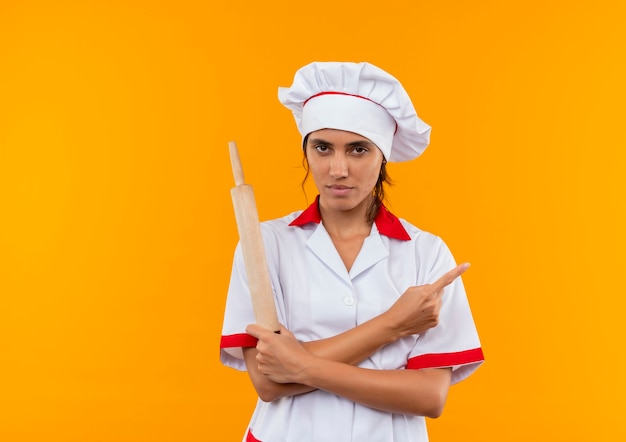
280	356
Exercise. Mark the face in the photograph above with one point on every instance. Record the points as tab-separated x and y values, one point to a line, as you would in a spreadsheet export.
345	167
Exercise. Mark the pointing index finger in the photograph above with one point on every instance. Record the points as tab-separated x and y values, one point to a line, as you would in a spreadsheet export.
450	276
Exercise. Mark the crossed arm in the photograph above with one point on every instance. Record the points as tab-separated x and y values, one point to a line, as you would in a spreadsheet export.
281	366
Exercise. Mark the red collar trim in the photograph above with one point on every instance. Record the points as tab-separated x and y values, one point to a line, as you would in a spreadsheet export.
386	222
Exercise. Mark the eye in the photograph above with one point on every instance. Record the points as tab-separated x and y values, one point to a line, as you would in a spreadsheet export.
360	150
321	148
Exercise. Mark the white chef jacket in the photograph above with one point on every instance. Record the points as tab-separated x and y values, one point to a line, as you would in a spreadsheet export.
316	297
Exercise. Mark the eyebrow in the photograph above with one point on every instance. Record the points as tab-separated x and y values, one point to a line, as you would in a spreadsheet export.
318	141
350	144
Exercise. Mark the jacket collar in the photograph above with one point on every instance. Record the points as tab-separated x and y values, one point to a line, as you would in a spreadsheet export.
386	222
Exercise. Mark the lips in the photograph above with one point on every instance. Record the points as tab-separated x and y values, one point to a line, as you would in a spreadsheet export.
339	190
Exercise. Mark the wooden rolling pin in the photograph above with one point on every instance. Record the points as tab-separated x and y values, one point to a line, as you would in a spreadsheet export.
252	246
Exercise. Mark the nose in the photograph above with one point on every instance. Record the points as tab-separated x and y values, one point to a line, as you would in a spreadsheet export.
339	166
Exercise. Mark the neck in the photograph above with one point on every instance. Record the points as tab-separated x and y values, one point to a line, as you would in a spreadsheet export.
346	223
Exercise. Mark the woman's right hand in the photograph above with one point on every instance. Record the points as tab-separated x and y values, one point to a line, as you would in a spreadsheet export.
418	308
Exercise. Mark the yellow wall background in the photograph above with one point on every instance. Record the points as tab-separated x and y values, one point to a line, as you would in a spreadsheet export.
117	231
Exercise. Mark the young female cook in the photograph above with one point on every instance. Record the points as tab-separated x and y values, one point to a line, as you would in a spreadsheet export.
376	323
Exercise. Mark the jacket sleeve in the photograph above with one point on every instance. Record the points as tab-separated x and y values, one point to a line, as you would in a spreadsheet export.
454	342
238	313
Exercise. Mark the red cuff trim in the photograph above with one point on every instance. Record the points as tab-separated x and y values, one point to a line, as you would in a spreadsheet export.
445	359
238	340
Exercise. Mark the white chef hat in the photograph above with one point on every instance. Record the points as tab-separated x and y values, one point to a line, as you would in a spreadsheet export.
359	98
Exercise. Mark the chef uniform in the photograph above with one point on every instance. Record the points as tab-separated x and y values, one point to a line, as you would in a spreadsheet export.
317	297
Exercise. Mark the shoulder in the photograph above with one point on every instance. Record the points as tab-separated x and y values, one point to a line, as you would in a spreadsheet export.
419	236
426	245
281	223
278	228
